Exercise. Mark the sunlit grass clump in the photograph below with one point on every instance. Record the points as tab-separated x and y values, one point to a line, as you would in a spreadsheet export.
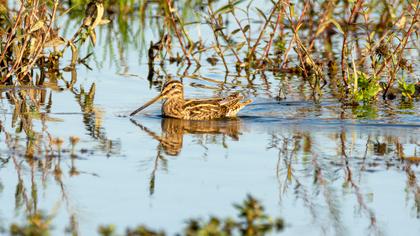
250	221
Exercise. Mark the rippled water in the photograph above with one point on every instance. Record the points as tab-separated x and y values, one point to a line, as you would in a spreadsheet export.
324	168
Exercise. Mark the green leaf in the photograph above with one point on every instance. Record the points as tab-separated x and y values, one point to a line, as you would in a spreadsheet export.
224	9
337	25
292	10
239	46
411	88
262	14
228	7
235	31
246	28
192	23
38	25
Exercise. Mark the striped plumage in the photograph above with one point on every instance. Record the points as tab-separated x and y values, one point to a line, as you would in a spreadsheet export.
176	106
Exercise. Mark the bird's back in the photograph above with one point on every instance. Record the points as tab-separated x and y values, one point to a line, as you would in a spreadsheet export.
213	108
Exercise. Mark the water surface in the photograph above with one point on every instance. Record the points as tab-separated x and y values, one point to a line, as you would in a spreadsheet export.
327	169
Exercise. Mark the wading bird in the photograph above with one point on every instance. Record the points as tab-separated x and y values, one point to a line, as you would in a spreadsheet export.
176	106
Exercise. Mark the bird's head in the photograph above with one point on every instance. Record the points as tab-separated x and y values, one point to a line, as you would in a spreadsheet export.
171	89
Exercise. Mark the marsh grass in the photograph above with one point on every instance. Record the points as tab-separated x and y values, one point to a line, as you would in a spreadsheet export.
31	40
374	38
251	220
32	49
368	41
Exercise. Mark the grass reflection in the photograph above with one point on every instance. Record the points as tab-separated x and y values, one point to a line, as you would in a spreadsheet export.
321	169
38	156
317	176
173	131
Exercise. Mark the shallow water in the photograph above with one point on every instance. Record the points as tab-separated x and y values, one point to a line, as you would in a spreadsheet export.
326	169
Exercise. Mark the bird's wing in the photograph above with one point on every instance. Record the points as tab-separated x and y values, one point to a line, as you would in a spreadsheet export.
192	102
231	100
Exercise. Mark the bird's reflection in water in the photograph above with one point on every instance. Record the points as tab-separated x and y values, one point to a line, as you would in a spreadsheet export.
172	136
173	131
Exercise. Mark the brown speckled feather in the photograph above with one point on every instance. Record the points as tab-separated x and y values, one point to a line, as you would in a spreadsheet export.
176	106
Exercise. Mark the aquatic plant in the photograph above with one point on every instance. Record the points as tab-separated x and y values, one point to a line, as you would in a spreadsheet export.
301	32
31	40
304	38
252	220
36	225
365	89
407	89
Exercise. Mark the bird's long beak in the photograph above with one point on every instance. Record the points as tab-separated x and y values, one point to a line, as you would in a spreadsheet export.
157	98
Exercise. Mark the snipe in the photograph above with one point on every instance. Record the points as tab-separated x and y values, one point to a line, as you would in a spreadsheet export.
195	109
